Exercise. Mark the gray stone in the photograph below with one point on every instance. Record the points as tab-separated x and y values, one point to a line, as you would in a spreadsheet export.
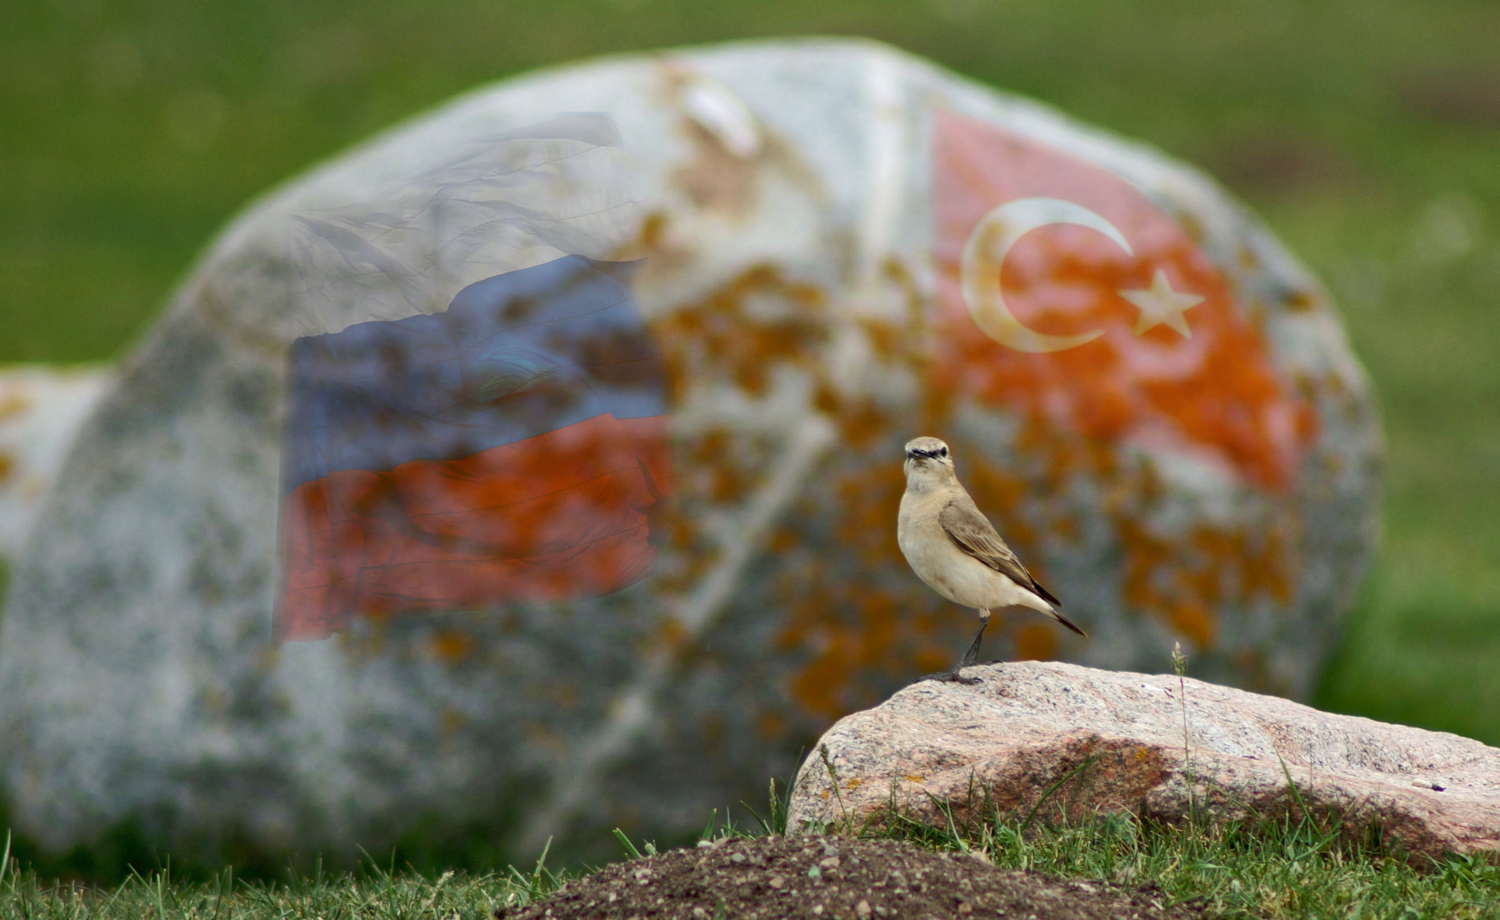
1049	741
804	209
41	409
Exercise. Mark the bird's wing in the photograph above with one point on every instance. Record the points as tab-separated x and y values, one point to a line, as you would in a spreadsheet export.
975	535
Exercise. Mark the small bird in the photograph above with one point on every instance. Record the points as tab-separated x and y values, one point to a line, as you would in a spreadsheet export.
956	551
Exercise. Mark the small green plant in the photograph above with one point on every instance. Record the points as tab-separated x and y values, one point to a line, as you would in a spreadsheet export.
1179	667
833	777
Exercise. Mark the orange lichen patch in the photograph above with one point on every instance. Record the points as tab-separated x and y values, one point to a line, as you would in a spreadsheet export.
783	540
854	783
720	338
916	327
819	686
999	494
1301	301
452	646
653	230
680	532
915	778
856	632
929	659
825	399
1036	641
770	725
7	464
1254	570
937	407
670	636
14	404
869	505
1190	225
1186	580
711	446
712	455
886	338
862	423
1193	620
1269	570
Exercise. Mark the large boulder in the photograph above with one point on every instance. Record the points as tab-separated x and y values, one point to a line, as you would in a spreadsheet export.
1049	741
429	509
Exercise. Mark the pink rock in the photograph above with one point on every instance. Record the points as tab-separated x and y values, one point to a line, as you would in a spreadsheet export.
1068	742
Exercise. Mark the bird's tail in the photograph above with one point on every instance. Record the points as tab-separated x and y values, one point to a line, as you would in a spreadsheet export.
1066	622
1042	601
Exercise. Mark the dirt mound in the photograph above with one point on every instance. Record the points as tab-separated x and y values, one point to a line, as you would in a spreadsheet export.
828	877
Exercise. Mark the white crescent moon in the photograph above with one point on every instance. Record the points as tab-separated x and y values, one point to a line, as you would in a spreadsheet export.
986	250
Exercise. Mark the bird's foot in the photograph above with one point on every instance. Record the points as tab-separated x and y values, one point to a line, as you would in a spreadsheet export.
953	677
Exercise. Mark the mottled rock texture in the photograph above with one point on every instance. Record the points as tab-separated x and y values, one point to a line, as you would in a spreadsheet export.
823	226
1067	742
41	409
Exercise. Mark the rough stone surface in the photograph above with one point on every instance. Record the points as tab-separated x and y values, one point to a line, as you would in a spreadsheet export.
41	409
803	210
1069	742
775	877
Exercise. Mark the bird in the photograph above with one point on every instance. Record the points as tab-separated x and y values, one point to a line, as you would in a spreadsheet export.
956	551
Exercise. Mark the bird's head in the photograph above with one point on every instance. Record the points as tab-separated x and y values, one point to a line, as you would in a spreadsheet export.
927	461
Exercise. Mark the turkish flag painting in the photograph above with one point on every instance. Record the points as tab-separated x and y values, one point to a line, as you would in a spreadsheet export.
1065	293
512	447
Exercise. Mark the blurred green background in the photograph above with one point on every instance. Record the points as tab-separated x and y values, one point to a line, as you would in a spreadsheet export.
1365	132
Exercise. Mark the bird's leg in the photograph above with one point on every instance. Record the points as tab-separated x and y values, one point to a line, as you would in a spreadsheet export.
973	652
954	676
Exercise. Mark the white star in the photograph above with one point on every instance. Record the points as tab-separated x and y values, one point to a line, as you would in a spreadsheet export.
1160	304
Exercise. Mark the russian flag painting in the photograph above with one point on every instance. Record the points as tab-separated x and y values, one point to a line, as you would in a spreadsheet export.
510	448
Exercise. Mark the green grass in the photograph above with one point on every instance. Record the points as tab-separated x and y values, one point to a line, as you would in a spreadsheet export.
374	892
1366	133
1274	870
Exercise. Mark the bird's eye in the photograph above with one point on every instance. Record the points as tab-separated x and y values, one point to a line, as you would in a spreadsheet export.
942	451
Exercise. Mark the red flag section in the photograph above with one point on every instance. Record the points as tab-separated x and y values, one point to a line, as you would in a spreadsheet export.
561	515
510	448
1064	292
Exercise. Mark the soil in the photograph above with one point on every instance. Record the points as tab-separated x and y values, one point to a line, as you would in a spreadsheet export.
835	877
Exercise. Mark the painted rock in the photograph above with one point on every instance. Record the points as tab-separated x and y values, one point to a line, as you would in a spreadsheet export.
532	469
